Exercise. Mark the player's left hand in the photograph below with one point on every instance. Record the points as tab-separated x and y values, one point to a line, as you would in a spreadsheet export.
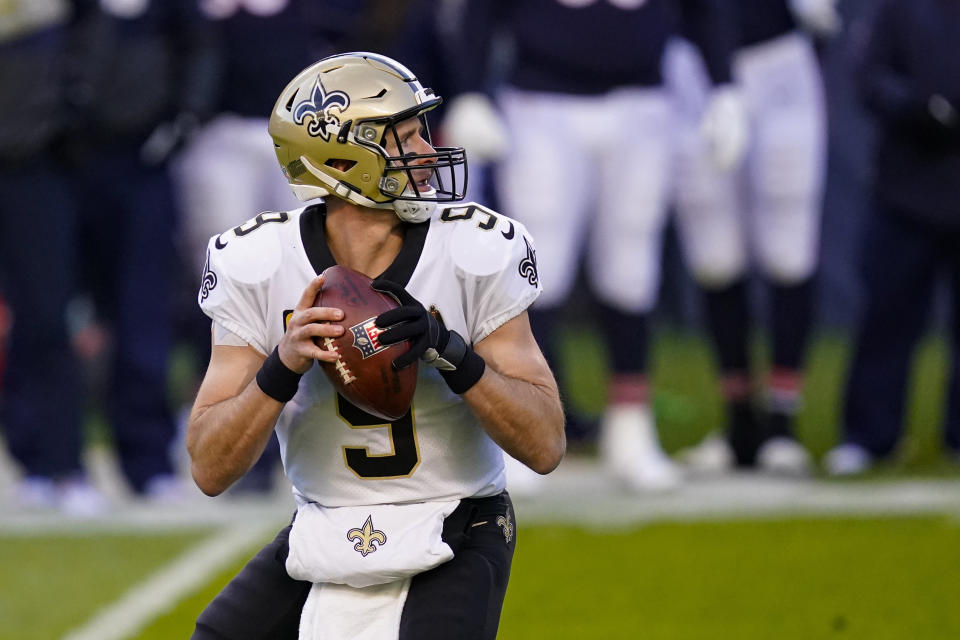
430	340
943	111
725	128
411	321
474	123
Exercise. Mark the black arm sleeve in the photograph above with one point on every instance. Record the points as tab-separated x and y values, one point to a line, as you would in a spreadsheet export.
885	88
477	26
201	61
713	29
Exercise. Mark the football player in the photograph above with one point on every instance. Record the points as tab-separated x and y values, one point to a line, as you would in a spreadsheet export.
403	529
766	213
586	124
909	80
44	437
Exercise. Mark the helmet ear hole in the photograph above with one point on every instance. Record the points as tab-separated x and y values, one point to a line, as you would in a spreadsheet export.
340	164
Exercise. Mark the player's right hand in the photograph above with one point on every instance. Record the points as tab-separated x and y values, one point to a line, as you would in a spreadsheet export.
725	127
298	349
473	122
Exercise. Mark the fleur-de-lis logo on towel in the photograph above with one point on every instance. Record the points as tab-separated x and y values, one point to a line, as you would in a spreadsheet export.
506	523
320	108
366	537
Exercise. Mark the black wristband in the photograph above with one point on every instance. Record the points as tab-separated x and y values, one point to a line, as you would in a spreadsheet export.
469	370
276	380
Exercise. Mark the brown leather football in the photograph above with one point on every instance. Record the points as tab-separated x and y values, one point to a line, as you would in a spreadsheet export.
364	374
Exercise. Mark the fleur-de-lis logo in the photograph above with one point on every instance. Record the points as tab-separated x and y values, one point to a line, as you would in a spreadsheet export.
320	109
366	536
506	523
209	279
528	266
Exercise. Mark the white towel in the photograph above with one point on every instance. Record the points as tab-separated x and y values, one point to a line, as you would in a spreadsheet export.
339	612
367	545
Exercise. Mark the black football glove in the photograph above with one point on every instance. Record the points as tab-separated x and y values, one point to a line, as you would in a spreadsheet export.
430	340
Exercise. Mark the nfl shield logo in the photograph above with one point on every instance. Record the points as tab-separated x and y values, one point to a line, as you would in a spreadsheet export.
365	337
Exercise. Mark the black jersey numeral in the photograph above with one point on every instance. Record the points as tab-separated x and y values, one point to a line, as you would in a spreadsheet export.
252	225
403	440
255	223
486	219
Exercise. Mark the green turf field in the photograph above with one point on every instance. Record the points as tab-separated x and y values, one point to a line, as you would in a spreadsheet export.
795	579
786	578
812	578
51	584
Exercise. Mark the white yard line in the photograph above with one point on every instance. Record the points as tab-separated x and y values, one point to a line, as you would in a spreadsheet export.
161	591
582	493
146	518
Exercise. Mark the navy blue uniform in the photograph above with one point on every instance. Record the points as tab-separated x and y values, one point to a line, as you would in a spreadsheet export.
914	235
260	52
761	20
558	46
134	74
41	408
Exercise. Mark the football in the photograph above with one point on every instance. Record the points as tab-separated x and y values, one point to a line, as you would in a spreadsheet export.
364	374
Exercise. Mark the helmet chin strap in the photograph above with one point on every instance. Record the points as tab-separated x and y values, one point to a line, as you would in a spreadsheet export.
413	211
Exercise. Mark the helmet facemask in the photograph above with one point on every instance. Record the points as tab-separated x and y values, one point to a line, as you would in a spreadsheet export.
399	177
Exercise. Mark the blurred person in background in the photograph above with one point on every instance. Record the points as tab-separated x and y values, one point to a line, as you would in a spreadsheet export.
910	81
228	172
144	79
41	391
765	215
6	320
587	166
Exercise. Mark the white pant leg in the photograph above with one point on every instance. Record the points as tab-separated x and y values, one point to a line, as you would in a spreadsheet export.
633	145
787	163
227	175
545	181
709	210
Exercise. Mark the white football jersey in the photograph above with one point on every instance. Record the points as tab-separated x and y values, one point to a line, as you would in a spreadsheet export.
476	266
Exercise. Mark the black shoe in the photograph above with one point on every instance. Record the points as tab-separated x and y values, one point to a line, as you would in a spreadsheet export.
582	430
744	433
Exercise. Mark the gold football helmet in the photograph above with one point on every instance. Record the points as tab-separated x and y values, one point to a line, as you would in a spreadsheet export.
330	128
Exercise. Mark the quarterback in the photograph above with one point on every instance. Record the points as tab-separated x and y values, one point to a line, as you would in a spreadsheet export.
403	529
